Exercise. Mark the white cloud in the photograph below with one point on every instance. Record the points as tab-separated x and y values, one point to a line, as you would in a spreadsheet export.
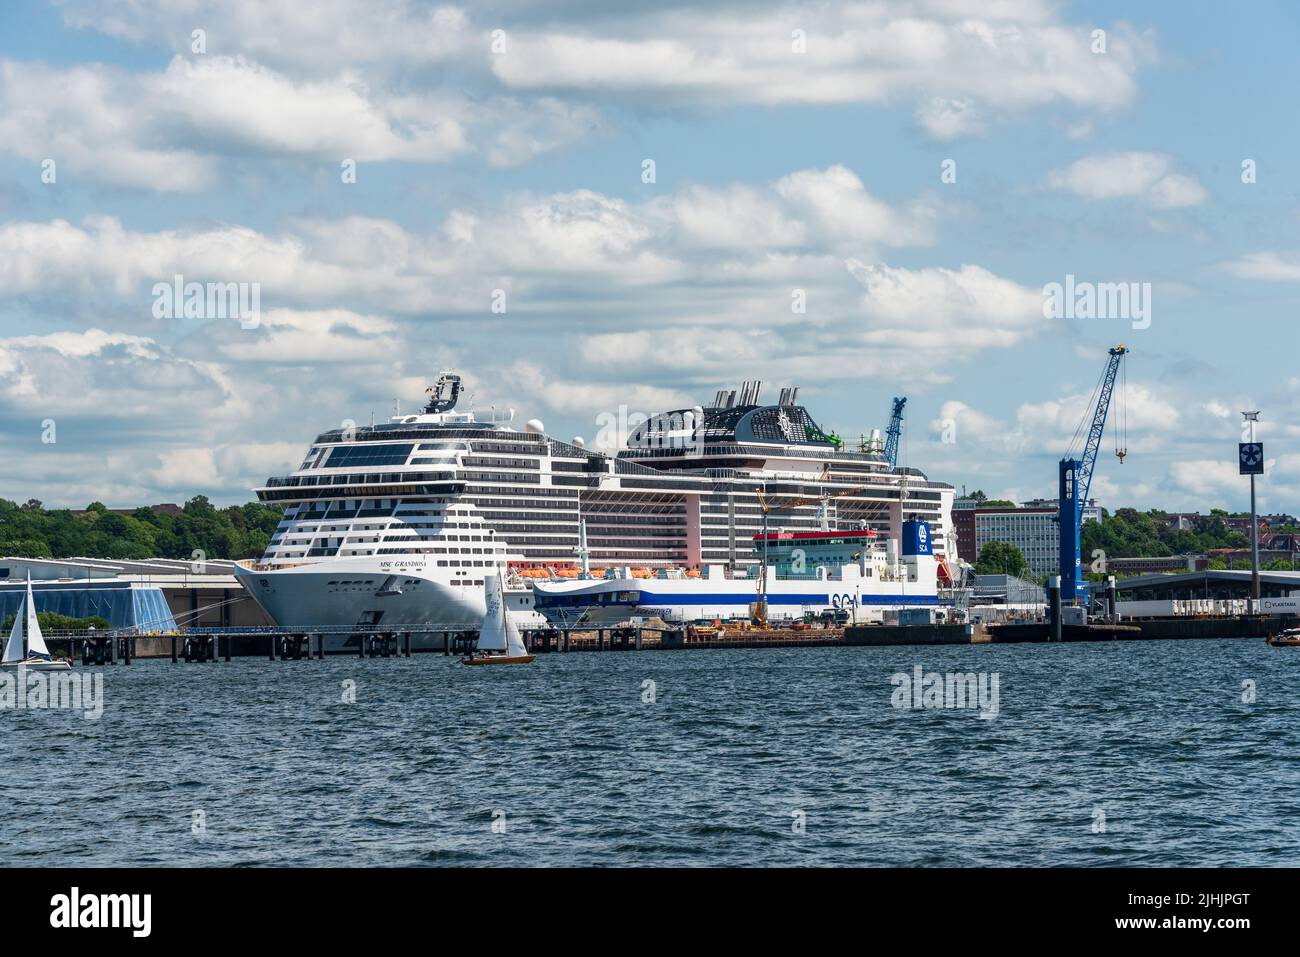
171	130
835	202
104	374
1145	176
526	245
337	32
1267	266
1152	417
939	308
957	63
1206	479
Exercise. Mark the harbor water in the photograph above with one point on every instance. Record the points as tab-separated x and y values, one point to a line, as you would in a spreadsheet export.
1150	753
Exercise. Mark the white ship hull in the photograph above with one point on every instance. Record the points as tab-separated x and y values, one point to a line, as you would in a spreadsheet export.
693	599
372	593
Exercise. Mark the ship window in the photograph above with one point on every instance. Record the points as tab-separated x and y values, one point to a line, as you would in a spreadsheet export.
351	456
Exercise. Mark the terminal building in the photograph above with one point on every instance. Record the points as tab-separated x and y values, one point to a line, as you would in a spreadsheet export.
1213	584
157	595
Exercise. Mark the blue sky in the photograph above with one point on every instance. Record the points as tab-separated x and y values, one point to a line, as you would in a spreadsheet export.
520	168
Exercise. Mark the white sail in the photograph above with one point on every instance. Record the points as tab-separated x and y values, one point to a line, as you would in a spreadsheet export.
492	633
514	641
14	647
35	640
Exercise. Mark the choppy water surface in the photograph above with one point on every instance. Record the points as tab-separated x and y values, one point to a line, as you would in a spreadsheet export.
737	751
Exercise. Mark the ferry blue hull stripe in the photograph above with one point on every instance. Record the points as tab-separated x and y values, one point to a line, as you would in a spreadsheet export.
650	598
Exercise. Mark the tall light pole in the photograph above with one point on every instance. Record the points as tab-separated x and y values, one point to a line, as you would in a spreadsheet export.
1250	461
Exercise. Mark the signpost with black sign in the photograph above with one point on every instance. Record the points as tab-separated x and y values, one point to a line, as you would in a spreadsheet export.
1250	461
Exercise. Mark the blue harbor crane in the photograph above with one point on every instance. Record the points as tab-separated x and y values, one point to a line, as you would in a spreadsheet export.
1076	474
894	431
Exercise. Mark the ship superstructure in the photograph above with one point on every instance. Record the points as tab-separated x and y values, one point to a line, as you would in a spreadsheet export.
400	522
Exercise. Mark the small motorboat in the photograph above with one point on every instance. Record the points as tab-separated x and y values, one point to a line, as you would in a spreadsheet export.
499	641
37	656
1285	639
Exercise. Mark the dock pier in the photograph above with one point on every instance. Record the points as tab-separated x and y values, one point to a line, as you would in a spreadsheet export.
211	645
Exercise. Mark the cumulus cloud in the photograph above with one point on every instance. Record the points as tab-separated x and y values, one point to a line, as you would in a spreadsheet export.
1148	177
945	308
105	375
525	245
338	32
958	64
168	130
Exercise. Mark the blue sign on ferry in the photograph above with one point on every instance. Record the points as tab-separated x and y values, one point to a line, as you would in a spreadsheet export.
916	538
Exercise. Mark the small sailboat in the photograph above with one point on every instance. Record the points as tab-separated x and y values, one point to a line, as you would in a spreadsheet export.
499	641
37	657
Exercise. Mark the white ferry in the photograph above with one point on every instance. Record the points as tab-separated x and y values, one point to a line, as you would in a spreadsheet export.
849	575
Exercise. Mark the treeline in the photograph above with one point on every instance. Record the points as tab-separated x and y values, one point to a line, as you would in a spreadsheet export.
240	531
1128	533
53	621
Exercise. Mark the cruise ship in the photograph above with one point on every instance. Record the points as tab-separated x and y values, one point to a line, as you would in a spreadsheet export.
397	524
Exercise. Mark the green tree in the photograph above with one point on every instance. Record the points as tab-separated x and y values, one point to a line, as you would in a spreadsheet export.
1001	558
236	532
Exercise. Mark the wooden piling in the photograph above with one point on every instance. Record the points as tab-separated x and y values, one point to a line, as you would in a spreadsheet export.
408	644
174	640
